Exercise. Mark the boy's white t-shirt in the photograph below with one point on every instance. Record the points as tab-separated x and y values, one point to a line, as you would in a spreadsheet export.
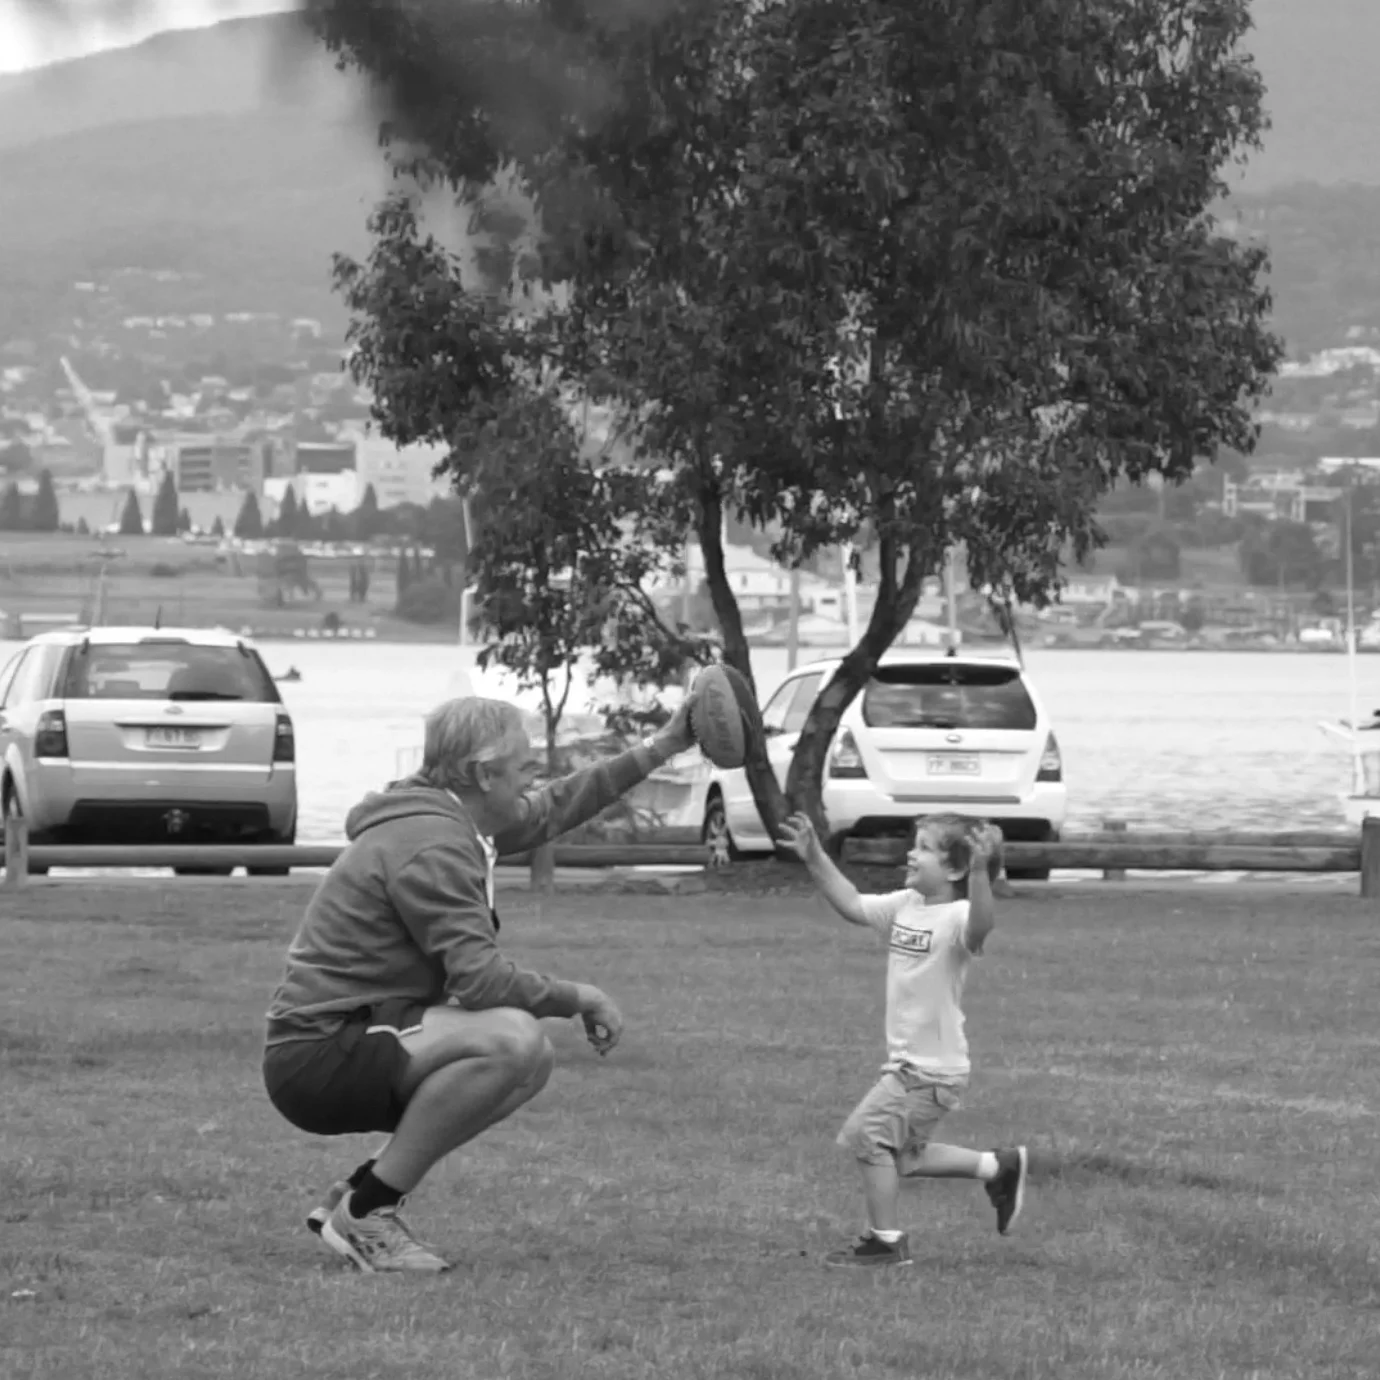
927	967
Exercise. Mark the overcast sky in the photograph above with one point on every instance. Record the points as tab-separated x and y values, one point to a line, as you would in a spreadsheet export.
25	41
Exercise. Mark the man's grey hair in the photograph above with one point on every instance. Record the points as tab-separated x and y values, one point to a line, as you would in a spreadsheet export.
462	735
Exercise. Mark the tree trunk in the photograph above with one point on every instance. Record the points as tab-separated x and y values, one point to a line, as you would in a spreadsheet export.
895	603
766	790
542	868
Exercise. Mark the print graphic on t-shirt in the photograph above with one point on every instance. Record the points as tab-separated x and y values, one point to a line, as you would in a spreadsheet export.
905	940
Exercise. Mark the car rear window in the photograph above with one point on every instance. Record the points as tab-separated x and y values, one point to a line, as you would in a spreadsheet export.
948	695
167	670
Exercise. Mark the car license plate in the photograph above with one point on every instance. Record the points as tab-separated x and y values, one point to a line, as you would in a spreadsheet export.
173	738
953	764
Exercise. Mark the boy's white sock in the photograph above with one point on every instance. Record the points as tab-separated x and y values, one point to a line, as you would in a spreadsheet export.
987	1166
889	1237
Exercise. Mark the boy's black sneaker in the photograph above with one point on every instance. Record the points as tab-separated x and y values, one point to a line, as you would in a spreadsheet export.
1007	1190
872	1252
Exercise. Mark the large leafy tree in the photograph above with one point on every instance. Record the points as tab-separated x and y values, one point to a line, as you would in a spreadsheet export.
948	270
565	546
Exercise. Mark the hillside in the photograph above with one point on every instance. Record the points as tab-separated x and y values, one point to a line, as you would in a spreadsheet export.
1317	58
241	66
240	153
255	202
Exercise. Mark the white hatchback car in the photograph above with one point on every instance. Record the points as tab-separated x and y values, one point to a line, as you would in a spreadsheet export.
932	731
141	735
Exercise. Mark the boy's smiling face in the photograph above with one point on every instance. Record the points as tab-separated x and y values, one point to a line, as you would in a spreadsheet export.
929	869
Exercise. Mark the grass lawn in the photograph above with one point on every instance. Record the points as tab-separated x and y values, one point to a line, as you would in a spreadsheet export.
1196	1073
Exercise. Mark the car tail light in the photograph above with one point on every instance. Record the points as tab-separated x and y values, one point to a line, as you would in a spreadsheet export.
1051	763
51	738
845	761
284	740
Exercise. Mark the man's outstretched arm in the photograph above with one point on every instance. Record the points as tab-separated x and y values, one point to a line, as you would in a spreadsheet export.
565	804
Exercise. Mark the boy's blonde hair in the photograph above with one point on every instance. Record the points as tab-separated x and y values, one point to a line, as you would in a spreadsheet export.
955	836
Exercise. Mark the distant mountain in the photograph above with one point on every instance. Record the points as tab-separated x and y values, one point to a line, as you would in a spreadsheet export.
1317	57
241	153
237	152
242	66
255	202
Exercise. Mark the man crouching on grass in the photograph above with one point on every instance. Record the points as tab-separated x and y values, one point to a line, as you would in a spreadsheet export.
398	1013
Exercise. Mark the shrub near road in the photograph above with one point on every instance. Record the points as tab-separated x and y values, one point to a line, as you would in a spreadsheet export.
1195	1073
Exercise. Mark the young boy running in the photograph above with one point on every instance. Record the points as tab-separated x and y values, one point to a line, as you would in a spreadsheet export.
934	927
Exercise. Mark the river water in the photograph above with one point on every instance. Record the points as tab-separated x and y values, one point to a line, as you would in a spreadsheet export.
1158	739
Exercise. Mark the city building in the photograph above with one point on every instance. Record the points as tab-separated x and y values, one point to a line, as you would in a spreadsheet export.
323	457
1281	494
319	493
399	474
207	463
124	454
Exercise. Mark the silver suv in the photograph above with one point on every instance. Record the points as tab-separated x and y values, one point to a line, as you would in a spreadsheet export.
142	735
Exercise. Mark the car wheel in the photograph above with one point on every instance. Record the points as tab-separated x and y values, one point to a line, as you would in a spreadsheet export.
11	809
715	835
286	841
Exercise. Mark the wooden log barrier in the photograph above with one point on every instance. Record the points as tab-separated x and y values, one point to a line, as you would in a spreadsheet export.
1299	851
1370	858
1312	851
1117	827
20	858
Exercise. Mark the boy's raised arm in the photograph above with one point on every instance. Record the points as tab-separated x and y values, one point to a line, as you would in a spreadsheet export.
982	910
798	834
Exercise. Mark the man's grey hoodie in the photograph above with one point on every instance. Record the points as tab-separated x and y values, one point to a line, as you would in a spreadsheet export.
404	911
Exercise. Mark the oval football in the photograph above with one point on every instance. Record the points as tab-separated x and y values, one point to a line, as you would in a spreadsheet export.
716	719
747	705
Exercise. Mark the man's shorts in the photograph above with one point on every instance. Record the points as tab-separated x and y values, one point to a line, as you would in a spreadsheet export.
347	1081
897	1118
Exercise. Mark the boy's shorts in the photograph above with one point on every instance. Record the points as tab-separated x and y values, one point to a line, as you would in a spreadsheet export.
897	1119
345	1082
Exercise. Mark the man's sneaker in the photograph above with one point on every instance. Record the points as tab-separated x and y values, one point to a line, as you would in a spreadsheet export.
379	1243
871	1252
1007	1190
320	1214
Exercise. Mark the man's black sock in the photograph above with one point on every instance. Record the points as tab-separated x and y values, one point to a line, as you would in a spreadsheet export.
371	1195
357	1177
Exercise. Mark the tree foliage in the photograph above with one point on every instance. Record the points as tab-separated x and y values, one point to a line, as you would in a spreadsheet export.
11	508
565	545
1281	555
288	523
365	518
945	269
45	515
164	522
249	521
132	517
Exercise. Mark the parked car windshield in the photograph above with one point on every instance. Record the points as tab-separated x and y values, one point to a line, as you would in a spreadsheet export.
167	670
948	695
